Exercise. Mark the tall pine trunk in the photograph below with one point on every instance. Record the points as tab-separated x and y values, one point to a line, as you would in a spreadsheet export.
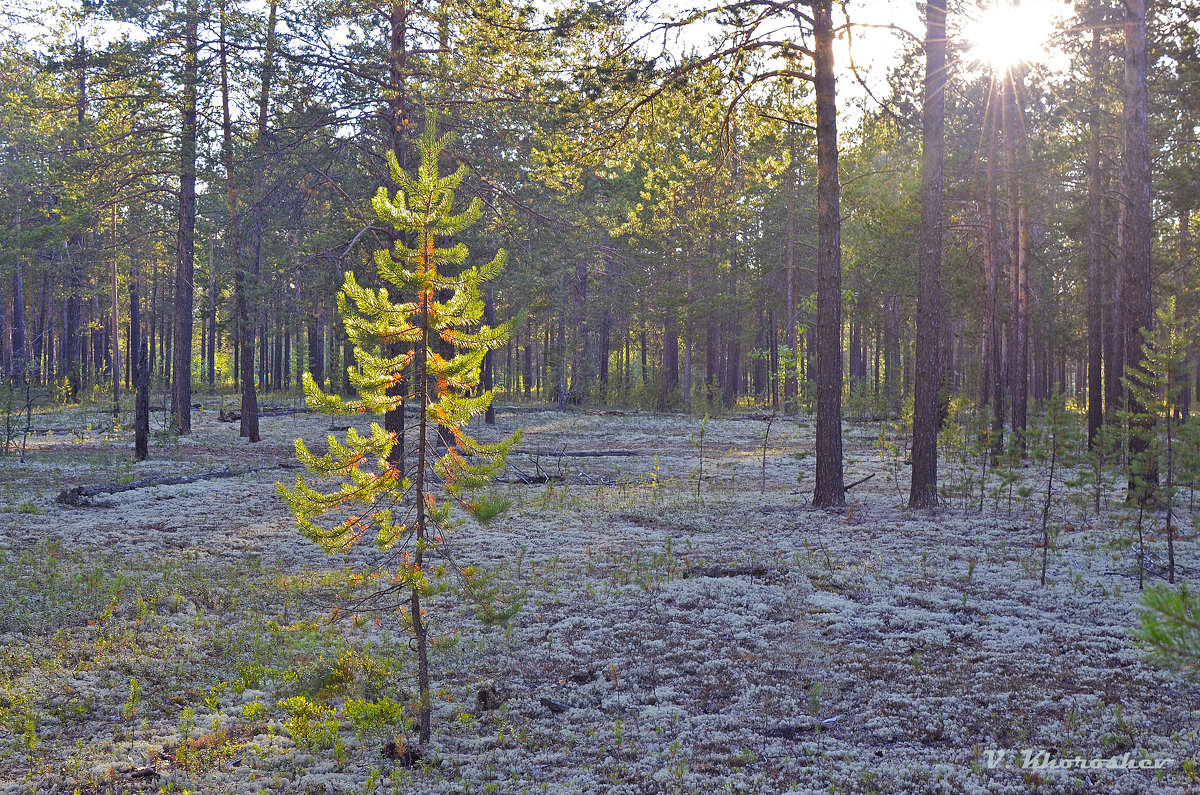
790	401
923	488
1183	379
994	341
1018	240
245	329
1135	181
19	361
830	489
1095	283
181	370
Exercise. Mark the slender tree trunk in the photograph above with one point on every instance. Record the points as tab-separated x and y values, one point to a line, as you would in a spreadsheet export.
316	345
830	489
418	620
1018	348
99	345
560	345
1114	322
790	395
773	325
71	330
1138	279
733	355
115	322
248	423
923	488
581	364
262	143
670	368
604	343
527	365
152	320
1182	379
1095	285
85	339
994	348
140	354
181	370
19	354
212	320
642	348
72	326
277	355
487	376
856	358
288	333
687	336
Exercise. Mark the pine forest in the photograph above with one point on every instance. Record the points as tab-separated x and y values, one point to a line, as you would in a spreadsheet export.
636	397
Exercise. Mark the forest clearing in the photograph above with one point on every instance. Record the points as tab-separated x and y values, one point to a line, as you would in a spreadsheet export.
732	641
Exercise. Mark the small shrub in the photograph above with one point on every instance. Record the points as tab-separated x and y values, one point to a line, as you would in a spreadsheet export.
254	710
135	698
373	717
1170	626
487	507
312	726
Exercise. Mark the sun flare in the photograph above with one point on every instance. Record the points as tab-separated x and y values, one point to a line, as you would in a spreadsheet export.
1006	34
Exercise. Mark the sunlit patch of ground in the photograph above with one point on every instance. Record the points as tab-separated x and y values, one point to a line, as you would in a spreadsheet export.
731	640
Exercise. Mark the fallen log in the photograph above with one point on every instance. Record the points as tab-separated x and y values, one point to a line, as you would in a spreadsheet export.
858	482
524	409
582	453
528	480
752	570
78	496
234	416
72	431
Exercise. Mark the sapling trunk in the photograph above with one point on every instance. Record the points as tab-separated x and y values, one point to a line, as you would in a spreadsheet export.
1170	491
766	435
141	417
1046	504
419	628
1141	547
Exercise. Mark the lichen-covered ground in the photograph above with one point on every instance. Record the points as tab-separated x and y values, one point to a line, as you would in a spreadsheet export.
178	638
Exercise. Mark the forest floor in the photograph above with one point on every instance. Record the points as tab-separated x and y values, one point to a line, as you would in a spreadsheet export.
178	638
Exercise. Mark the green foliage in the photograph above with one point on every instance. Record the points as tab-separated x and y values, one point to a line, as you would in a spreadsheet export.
1052	444
1169	627
312	726
1189	458
424	344
373	718
44	594
1097	473
487	507
133	703
444	306
350	673
1156	386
